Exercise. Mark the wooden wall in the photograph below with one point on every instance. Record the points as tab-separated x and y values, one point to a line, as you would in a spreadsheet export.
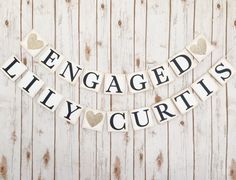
119	36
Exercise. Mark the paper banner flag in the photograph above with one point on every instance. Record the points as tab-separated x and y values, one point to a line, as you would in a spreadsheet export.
49	99
182	63
13	68
92	80
222	71
141	118
117	121
161	75
114	84
185	100
205	86
164	110
30	84
138	82
94	119
33	43
70	71
50	58
200	47
70	111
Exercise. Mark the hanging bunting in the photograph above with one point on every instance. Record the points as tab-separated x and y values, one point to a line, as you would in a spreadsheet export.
119	84
135	82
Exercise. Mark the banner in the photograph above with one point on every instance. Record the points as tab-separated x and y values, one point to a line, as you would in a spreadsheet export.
118	121
133	82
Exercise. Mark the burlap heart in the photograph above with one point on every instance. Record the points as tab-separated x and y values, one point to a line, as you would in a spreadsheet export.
94	119
200	47
33	43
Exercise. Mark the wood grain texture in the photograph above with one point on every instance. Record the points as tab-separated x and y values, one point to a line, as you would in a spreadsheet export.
44	121
103	170
219	106
181	129
27	103
10	108
140	20
157	43
202	125
122	35
87	49
67	139
119	37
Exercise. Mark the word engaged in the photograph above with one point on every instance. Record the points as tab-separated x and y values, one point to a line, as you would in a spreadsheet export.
117	84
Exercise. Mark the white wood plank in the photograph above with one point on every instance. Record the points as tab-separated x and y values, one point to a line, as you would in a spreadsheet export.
27	102
10	108
67	139
219	119
140	99
88	146
43	120
181	128
157	53
103	169
202	113
122	58
231	88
